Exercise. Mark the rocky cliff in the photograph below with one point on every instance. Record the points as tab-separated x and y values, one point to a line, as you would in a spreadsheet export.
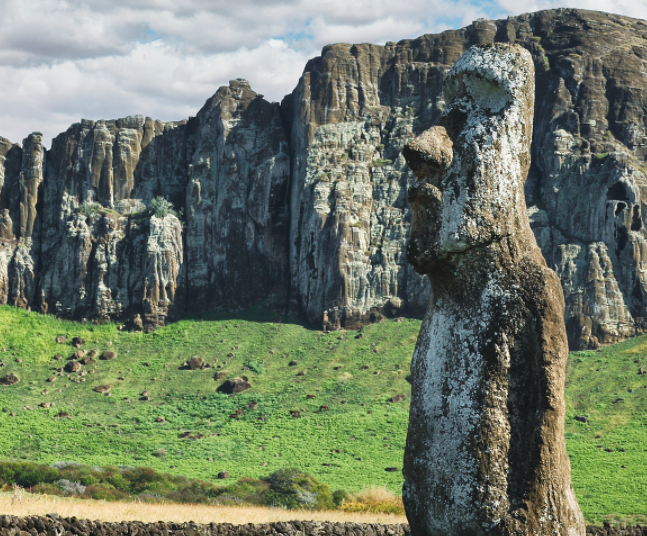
304	203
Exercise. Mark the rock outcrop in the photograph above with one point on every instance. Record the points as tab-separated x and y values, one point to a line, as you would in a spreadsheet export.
304	203
485	450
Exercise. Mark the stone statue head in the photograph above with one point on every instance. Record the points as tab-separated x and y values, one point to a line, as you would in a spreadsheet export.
472	165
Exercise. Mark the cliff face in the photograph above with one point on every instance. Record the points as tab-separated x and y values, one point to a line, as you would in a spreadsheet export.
305	202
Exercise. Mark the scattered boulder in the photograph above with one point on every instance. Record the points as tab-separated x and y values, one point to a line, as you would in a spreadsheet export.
221	375
231	354
46	404
87	360
160	419
9	379
138	324
63	415
195	362
223	475
293	363
61	339
581	418
144	398
79	354
301	373
363	367
51	379
77	342
72	366
234	385
57	357
391	469
108	355
102	389
93	353
184	435
397	398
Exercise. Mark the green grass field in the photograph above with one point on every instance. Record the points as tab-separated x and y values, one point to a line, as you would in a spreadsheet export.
347	446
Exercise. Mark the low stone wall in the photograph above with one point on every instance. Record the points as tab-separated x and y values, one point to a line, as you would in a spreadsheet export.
52	525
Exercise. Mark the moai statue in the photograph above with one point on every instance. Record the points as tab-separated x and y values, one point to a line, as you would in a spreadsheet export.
485	448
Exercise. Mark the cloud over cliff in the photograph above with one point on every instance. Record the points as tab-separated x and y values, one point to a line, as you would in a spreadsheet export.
61	60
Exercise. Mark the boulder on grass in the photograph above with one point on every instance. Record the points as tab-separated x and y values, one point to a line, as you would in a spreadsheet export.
195	363
87	360
102	389
233	386
77	342
9	379
108	356
72	366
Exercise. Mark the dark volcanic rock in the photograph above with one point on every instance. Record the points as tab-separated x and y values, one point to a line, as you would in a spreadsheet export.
9	379
321	222
195	363
72	366
493	341
234	385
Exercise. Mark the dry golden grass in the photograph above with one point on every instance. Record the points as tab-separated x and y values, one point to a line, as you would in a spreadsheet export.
24	504
375	499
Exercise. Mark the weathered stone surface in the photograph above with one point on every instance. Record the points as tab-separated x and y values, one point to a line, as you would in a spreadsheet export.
69	526
234	385
305	202
485	449
9	379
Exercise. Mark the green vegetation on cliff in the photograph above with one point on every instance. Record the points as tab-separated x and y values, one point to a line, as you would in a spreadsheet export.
280	421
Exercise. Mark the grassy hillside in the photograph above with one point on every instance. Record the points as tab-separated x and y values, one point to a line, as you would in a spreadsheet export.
348	446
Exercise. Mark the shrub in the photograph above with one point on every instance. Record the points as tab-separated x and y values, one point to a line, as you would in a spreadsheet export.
257	366
160	207
339	496
196	491
87	208
27	474
70	488
143	479
291	488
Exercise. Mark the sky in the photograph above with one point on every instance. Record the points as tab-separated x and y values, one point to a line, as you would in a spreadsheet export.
63	60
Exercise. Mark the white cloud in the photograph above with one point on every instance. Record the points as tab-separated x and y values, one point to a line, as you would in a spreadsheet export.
61	60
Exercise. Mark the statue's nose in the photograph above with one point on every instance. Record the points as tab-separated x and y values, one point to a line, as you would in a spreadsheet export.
430	154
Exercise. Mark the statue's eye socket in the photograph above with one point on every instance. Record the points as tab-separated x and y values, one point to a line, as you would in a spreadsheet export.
453	120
